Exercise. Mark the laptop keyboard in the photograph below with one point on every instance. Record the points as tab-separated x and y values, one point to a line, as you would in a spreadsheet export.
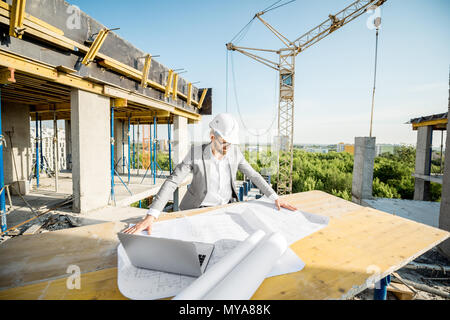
201	258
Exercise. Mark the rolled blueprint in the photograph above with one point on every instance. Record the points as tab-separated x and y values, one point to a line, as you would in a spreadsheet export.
198	289
245	278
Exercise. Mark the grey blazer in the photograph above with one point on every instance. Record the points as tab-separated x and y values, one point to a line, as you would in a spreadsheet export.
197	161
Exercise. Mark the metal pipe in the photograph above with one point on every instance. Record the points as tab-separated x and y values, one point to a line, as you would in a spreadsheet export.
154	149
430	154
151	150
433	267
138	162
112	153
40	143
37	151
442	145
134	153
170	146
123	146
4	226
129	149
55	151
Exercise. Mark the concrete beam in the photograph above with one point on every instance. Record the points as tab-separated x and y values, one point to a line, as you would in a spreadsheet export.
423	163
90	118
363	169
71	39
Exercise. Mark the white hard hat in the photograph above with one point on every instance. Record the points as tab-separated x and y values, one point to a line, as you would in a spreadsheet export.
226	126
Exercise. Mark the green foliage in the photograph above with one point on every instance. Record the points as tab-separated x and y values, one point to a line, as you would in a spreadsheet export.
383	190
333	172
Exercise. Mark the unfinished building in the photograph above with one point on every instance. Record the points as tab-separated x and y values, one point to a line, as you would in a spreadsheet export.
61	64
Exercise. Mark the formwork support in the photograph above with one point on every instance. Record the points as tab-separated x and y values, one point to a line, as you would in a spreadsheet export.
55	150
138	148
151	150
2	178
123	146
169	145
154	149
113	199
129	150
17	18
41	154
134	153
95	47
37	151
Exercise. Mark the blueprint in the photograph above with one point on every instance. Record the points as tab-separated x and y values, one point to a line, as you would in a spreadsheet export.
239	274
226	228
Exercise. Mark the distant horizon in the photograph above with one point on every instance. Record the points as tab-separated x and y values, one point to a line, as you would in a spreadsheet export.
49	125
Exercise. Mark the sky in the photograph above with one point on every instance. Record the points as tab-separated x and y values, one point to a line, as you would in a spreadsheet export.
334	78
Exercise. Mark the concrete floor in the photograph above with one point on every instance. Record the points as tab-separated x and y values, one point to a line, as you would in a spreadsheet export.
45	195
425	212
137	189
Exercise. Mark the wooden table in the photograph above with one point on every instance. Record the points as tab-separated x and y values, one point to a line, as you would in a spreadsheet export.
359	246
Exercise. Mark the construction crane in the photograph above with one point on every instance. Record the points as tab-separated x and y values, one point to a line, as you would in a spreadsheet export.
286	68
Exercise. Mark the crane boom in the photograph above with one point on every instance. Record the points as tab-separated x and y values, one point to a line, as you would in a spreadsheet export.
335	22
286	68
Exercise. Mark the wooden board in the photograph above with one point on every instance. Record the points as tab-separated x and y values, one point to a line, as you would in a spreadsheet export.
359	246
401	291
33	258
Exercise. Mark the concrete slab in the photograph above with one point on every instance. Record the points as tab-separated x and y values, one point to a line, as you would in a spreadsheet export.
139	186
425	212
110	214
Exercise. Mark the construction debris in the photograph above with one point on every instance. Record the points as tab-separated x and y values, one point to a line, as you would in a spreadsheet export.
46	209
14	232
73	221
401	291
426	278
434	267
428	289
33	229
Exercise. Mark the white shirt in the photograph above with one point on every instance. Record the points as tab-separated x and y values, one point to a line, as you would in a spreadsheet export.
219	184
219	181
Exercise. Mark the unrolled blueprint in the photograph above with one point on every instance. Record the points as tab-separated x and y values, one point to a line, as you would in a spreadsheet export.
226	228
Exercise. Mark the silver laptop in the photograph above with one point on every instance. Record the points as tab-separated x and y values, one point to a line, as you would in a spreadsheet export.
169	255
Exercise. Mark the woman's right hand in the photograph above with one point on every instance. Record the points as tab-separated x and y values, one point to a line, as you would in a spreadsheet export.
145	224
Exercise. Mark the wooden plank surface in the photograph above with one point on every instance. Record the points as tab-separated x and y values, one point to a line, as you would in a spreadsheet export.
359	246
33	258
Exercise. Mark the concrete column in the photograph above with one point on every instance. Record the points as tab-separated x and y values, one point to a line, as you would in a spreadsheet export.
423	163
68	134
17	155
181	146
444	217
90	124
118	147
363	169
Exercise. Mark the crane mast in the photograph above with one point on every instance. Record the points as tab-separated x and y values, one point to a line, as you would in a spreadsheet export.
286	69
